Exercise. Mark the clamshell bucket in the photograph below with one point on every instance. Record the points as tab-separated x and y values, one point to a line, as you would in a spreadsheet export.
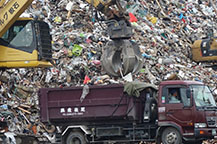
121	57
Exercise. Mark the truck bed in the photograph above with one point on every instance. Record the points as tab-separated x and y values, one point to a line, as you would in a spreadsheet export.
102	104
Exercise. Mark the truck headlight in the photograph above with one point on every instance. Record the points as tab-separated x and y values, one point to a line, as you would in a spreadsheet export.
200	125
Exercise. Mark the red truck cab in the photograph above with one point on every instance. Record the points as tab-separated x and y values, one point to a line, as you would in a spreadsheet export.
191	115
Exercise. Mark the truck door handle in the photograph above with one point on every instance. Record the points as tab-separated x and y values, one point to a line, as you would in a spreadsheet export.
170	112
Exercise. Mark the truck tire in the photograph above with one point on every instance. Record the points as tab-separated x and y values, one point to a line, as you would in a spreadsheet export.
171	136
76	138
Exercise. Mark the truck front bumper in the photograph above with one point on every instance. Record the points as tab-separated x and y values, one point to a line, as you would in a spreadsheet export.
206	133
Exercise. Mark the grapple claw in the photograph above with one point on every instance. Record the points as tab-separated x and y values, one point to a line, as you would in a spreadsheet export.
110	61
121	55
132	58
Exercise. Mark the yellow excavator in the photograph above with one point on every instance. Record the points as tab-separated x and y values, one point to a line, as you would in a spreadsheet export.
205	50
26	42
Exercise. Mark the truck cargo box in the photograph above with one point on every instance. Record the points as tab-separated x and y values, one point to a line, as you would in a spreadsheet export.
103	104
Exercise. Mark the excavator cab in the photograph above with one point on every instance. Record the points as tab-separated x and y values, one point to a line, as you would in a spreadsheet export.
205	51
27	43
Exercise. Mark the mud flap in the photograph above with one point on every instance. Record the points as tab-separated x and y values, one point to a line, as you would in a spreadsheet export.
121	57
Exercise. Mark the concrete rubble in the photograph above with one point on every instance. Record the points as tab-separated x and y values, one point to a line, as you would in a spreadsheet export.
164	30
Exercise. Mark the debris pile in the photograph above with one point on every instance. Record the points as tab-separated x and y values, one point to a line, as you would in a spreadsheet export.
163	29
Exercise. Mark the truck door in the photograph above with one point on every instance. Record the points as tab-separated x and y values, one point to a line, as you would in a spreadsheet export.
178	107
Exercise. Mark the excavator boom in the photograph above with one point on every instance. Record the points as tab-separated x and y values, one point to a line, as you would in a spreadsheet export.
10	12
100	4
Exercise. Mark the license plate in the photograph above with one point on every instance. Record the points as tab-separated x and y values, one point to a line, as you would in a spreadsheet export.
213	132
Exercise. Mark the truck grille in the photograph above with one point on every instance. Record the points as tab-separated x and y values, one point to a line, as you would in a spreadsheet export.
211	121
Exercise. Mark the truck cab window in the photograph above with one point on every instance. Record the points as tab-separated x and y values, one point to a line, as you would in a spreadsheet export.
185	99
203	96
174	95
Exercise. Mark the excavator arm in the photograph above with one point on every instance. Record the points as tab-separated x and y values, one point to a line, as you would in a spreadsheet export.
120	56
10	11
100	5
104	7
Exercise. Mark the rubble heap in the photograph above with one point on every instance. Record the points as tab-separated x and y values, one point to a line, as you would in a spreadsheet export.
163	29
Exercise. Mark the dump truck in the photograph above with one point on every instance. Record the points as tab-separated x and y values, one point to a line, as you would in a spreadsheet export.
130	113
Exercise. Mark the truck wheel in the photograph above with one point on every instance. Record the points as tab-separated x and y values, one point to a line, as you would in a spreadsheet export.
171	136
75	138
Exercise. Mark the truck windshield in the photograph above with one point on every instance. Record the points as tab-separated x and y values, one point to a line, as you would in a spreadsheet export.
203	96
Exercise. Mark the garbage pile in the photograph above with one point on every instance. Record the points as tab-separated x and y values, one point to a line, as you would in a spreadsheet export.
163	29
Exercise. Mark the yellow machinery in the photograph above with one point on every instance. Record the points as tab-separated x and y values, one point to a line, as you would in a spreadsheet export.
24	42
205	50
27	43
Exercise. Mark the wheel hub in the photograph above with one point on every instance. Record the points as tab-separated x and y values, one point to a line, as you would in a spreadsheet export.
76	141
171	138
